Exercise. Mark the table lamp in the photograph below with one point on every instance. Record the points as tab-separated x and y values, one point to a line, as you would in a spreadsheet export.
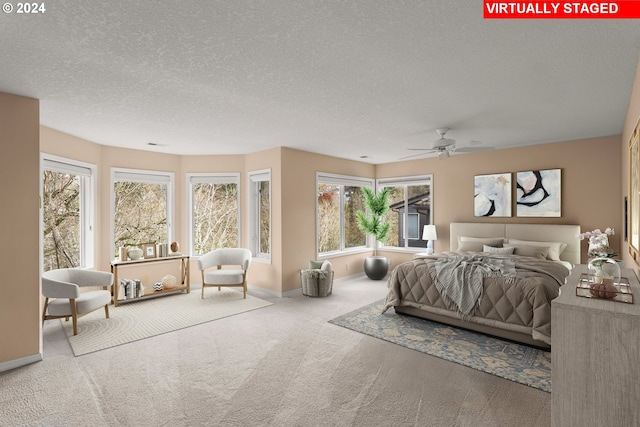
429	233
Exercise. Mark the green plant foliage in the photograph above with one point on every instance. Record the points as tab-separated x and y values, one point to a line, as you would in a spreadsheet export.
372	221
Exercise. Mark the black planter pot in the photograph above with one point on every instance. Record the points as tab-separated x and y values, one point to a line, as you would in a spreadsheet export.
376	267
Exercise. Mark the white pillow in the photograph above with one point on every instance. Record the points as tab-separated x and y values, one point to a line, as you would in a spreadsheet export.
540	252
475	244
555	248
497	251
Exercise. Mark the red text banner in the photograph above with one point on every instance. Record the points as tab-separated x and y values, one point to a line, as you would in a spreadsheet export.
625	9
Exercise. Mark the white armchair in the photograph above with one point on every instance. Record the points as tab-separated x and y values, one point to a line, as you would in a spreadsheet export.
63	298
230	257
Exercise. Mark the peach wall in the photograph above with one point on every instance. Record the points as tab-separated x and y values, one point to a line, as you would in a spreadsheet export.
591	183
19	218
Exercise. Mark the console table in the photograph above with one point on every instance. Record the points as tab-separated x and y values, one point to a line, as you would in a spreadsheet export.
184	285
595	358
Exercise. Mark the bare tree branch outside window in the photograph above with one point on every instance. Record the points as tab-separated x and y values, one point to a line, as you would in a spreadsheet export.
140	213
215	216
61	220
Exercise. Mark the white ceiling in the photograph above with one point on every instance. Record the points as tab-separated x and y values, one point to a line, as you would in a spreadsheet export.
346	78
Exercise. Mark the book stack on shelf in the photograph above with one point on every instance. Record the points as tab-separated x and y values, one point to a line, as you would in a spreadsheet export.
130	288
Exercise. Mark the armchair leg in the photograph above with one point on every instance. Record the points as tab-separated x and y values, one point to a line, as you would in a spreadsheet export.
74	315
202	296
44	311
106	310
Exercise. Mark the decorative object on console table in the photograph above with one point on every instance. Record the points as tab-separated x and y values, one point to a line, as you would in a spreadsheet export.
149	250
372	223
429	233
169	282
163	250
175	247
134	253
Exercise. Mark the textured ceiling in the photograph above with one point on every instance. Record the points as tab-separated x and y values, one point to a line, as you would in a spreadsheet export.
344	78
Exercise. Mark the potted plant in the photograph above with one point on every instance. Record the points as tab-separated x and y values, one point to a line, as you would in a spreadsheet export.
372	223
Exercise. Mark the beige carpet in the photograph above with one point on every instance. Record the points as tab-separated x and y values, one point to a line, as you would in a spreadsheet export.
147	318
284	365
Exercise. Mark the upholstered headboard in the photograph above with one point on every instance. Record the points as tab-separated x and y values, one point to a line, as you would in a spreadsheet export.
533	232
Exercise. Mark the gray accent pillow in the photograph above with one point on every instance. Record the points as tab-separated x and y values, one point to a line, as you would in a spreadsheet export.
475	244
314	265
528	250
497	251
555	248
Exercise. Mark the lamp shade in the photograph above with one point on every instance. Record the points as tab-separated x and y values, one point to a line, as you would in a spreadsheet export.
429	232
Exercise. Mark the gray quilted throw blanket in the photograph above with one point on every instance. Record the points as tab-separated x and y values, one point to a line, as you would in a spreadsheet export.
460	278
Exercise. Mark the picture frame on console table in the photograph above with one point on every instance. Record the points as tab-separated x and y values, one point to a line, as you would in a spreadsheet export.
149	250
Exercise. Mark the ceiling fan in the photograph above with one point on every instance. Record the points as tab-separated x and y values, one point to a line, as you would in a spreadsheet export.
444	147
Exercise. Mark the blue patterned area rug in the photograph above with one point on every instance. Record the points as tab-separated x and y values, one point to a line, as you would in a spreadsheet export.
515	362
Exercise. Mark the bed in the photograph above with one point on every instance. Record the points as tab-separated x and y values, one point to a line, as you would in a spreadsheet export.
510	274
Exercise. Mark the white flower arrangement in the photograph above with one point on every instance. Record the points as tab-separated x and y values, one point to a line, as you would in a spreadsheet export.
599	242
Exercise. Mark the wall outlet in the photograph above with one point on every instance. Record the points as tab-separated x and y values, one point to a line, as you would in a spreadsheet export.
347	265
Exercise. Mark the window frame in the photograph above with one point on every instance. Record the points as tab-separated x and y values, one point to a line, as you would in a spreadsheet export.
408	236
139	175
88	190
342	181
210	178
407	181
254	180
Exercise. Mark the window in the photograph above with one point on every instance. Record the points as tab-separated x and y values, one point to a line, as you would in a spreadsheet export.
141	207
260	214
410	210
67	213
214	221
338	199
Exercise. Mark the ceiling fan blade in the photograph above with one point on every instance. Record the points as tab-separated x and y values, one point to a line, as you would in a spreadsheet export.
472	149
421	149
416	155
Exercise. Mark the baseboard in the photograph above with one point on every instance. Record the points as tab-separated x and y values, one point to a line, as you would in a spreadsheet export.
18	363
351	277
274	293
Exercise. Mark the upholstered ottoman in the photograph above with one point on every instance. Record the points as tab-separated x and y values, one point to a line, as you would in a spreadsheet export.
317	282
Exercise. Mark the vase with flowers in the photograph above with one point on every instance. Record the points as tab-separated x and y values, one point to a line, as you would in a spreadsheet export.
603	270
599	243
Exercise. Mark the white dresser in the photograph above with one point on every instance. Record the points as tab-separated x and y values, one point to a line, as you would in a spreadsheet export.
595	358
